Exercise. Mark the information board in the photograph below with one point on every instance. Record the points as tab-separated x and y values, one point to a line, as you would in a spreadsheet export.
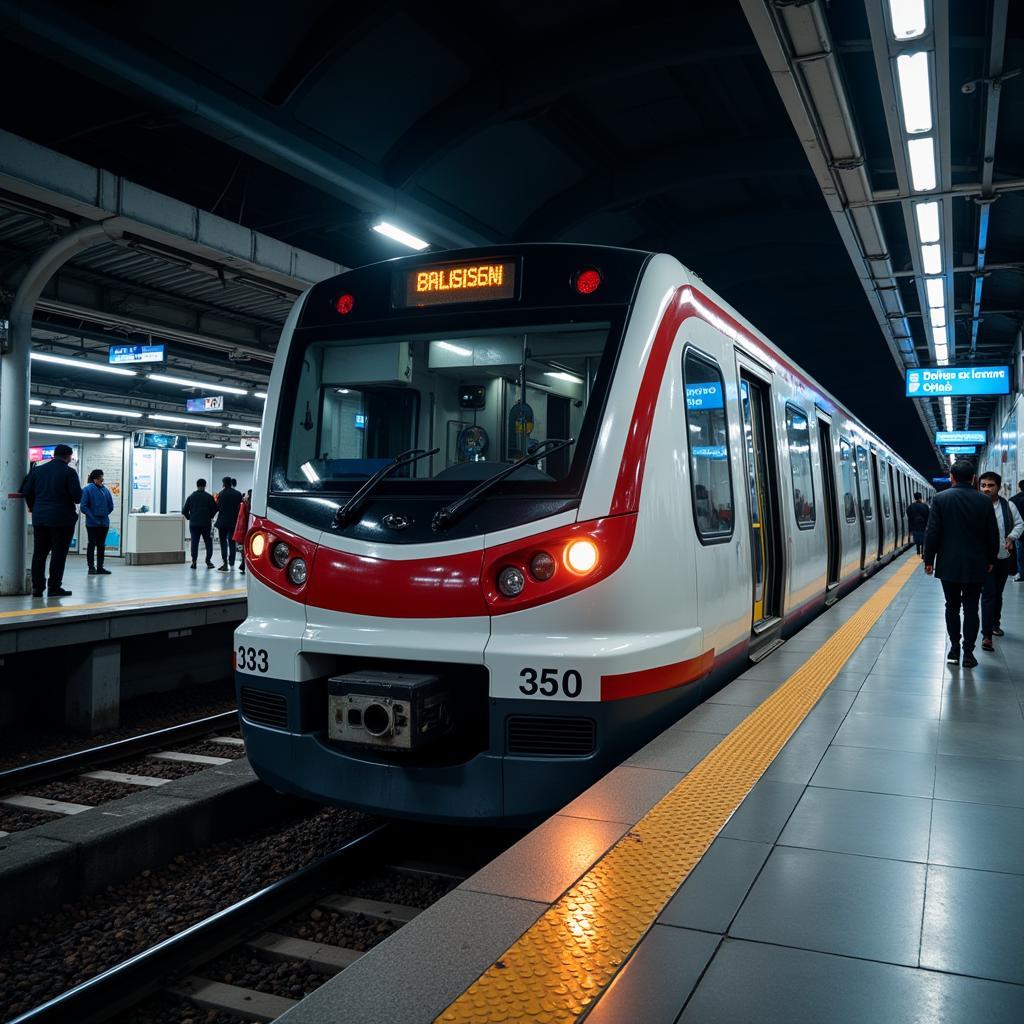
961	449
929	381
960	437
135	354
214	403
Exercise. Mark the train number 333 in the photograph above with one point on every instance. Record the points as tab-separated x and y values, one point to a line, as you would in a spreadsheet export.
548	682
253	659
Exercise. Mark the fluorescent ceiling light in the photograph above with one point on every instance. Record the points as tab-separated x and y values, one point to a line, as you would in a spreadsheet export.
244	427
915	92
908	18
922	163
259	394
237	448
83	364
927	222
62	433
937	315
203	444
940	336
36	401
190	420
201	384
457	349
111	437
384	228
569	378
102	410
935	288
931	258
941	355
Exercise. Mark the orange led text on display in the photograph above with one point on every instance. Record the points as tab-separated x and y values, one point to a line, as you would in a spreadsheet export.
486	275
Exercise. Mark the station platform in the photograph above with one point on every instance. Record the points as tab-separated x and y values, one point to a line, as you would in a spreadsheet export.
837	835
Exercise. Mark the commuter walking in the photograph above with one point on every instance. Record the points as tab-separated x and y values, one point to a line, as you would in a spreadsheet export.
960	547
917	520
1010	526
242	528
51	493
199	510
228	503
1018	501
97	504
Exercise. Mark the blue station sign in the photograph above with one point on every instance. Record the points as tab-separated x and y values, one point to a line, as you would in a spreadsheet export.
961	449
135	354
929	381
704	396
960	437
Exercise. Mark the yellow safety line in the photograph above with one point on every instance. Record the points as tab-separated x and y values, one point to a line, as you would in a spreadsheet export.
123	603
560	967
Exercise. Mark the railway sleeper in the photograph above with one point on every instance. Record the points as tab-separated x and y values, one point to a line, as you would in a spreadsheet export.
320	956
369	908
233	999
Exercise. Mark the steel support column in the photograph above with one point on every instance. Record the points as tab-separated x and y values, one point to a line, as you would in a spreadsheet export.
15	377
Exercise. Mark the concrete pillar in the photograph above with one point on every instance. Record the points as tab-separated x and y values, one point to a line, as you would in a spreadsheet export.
15	377
93	695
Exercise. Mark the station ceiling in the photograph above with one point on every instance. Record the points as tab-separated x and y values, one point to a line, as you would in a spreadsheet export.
637	125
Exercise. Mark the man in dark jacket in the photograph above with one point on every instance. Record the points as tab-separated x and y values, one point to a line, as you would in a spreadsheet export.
199	510
51	492
917	520
228	502
963	536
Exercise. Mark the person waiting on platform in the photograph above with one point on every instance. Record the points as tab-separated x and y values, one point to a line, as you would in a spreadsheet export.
97	504
1018	500
228	503
51	493
199	511
1010	527
242	527
917	520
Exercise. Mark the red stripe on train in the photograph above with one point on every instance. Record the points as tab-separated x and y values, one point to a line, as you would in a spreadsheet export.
652	680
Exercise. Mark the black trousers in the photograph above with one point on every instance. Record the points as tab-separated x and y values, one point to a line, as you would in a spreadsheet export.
992	595
206	532
968	595
96	548
50	541
228	547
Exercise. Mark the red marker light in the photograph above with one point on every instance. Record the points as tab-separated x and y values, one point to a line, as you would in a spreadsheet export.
344	304
587	281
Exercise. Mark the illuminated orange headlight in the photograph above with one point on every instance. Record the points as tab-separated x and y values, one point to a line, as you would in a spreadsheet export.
257	544
580	557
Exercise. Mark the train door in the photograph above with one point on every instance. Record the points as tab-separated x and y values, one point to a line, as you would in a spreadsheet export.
762	499
864	502
877	481
828	482
896	488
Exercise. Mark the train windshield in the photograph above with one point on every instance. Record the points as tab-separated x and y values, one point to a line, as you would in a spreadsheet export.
484	399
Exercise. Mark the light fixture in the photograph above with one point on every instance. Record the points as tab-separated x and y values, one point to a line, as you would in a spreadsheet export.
344	391
457	349
908	18
935	289
83	364
931	259
102	410
111	437
937	315
202	385
915	92
569	378
36	401
940	336
927	222
922	163
203	444
384	228
192	421
259	394
580	557
63	433
237	448
244	427
309	472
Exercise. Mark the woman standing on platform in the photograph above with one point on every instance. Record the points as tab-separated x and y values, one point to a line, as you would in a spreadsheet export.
97	504
242	528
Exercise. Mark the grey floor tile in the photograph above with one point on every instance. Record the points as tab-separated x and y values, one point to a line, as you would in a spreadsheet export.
657	979
714	890
978	836
972	925
675	750
957	707
915	735
982	739
876	682
747	693
762	815
721	718
625	794
876	771
750	983
799	759
836	903
869	824
898	705
848	679
985	780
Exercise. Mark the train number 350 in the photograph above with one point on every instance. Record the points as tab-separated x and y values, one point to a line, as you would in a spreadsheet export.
548	682
253	659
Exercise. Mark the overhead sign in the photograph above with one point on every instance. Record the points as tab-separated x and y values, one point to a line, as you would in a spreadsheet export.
476	281
215	403
926	382
250	444
960	437
940	479
144	439
136	354
704	396
961	449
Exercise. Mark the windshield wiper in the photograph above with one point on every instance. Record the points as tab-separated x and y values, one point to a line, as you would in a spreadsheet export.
344	514
444	516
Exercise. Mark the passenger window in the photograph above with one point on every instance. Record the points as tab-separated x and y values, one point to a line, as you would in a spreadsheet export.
847	481
883	483
864	473
800	466
708	435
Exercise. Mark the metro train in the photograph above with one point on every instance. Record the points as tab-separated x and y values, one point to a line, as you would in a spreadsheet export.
516	510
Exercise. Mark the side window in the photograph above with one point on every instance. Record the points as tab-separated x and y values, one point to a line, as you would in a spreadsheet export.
708	437
846	480
883	479
799	435
864	472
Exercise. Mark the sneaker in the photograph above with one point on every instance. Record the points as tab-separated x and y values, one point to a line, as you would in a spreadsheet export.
953	658
102	571
209	565
220	568
1018	579
986	644
93	572
37	593
998	632
58	592
970	661
192	566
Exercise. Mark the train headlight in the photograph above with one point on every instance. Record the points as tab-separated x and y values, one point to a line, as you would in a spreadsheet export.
279	554
297	572
542	566
257	544
581	557
511	581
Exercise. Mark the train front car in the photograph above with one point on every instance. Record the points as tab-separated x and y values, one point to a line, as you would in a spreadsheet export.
459	609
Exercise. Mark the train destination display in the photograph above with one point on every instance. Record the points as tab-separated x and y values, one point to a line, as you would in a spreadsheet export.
441	283
135	354
929	381
960	437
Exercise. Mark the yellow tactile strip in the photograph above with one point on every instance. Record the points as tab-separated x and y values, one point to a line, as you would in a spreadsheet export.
124	603
559	967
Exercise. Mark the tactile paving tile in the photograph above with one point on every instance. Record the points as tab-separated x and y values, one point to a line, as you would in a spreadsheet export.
560	966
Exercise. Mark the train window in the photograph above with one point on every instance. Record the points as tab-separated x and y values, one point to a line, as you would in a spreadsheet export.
708	435
864	472
847	480
883	477
799	435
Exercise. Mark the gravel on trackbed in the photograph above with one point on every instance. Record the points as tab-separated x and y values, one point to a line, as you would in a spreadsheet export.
165	1009
16	819
52	952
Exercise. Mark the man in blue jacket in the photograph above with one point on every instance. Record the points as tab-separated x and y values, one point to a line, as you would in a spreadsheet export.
51	492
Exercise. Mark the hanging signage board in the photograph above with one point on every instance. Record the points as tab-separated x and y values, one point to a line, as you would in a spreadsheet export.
960	437
135	354
960	449
940	480
250	444
144	439
214	403
929	381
